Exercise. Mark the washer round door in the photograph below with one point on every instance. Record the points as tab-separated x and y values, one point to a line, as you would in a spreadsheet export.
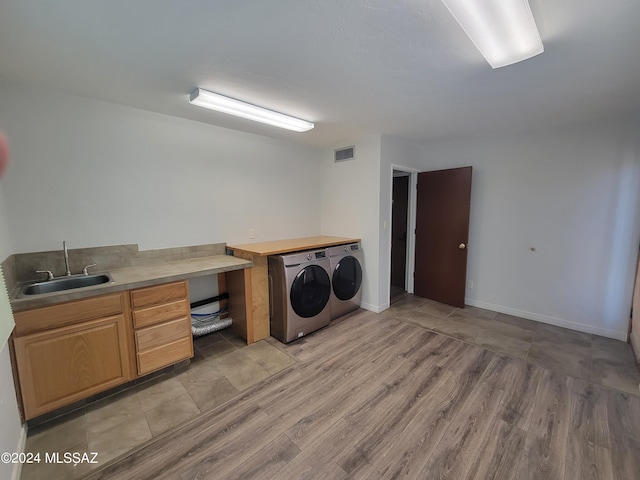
347	278
310	291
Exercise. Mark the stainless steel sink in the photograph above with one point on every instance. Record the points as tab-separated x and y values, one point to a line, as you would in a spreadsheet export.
64	283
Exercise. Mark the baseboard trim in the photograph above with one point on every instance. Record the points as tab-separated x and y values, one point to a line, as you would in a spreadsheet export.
22	443
558	322
375	308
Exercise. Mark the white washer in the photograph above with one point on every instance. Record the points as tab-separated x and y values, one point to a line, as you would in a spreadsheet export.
346	278
299	293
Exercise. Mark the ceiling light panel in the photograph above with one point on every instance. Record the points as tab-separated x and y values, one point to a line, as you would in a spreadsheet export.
221	103
504	31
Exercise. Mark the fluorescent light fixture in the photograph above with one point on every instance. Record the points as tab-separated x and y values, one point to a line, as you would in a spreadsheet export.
503	30
220	103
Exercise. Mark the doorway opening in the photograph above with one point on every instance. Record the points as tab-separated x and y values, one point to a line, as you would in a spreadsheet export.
402	232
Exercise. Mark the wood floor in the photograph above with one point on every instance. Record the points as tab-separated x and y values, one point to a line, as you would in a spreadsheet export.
374	397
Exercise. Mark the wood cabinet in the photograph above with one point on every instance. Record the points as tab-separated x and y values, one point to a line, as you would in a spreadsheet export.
68	352
162	326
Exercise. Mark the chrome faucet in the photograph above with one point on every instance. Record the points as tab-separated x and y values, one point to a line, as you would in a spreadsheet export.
66	258
49	273
67	273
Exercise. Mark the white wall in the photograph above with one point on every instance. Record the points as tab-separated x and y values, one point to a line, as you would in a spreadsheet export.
6	317
351	207
12	435
10	428
95	173
571	193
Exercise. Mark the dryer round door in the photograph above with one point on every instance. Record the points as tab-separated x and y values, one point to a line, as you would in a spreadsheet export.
310	291
347	278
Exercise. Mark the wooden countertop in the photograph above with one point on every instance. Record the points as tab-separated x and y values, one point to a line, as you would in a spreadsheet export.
136	277
291	245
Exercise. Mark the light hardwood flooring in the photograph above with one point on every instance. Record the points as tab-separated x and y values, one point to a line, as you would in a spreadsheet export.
382	396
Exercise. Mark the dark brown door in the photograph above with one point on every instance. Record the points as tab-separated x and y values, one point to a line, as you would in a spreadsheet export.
400	203
442	232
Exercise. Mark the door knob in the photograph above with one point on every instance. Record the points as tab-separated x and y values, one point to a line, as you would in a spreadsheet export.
462	246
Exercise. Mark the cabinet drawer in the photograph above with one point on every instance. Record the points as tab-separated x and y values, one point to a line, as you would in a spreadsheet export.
164	356
146	297
55	316
161	335
160	313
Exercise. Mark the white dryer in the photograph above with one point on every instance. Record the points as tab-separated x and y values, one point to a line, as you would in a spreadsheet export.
299	293
346	278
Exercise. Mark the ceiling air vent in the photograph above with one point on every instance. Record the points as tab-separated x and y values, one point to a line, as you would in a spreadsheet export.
344	154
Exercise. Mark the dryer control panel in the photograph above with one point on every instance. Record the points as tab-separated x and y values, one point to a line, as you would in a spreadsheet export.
316	255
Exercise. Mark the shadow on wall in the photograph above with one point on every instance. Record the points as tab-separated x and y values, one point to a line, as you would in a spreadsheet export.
6	316
622	264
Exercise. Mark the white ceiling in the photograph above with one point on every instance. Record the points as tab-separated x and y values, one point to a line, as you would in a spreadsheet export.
401	67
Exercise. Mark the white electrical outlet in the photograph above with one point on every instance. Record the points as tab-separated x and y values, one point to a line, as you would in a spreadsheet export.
252	233
469	283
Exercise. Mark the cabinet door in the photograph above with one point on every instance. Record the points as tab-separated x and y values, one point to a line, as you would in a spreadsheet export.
67	364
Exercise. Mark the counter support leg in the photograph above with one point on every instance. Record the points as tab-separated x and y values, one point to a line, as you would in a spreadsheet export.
253	288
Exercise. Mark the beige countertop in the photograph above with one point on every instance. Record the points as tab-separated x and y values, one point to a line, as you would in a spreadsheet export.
292	245
136	277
